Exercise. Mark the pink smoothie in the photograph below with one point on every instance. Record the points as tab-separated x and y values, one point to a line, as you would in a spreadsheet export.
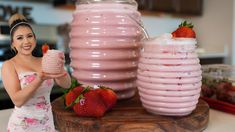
169	99
170	111
105	46
169	71
169	93
169	105
52	62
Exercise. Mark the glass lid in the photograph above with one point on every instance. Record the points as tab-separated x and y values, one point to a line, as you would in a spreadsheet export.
130	2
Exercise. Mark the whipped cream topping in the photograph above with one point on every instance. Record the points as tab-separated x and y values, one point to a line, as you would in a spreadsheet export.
168	39
52	51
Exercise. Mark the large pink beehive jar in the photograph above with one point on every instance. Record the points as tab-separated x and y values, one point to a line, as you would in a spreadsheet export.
104	46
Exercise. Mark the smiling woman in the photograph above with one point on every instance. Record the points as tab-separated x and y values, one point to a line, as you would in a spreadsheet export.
22	35
28	87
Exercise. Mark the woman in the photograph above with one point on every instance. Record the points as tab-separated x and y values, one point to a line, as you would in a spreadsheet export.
28	87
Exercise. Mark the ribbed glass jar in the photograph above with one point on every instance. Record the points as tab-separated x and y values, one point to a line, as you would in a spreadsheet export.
169	75
105	44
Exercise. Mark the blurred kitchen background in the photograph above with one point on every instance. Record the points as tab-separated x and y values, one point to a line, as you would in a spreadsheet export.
214	23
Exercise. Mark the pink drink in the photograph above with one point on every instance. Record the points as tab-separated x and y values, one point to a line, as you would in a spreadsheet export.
169	76
105	46
51	62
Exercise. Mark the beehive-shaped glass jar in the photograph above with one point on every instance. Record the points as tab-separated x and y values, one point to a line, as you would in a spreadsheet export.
169	75
104	45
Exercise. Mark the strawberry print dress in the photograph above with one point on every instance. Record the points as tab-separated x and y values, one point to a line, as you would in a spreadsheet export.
36	114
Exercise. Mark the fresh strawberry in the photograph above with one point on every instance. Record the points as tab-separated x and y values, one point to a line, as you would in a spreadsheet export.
108	96
89	104
224	86
225	92
45	47
72	95
232	88
208	91
230	96
185	30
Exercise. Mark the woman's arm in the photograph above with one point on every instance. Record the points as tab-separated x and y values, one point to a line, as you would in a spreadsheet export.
12	85
64	81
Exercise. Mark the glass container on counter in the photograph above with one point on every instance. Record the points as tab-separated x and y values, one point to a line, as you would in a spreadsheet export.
218	82
169	75
104	45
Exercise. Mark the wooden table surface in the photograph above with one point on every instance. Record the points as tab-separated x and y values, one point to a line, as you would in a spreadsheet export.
129	115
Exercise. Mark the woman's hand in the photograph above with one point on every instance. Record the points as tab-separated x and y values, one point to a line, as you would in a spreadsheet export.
62	59
64	81
44	76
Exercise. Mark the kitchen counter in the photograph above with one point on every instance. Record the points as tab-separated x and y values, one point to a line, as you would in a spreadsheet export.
218	121
212	55
205	53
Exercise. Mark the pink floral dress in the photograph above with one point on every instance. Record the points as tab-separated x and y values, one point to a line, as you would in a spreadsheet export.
36	114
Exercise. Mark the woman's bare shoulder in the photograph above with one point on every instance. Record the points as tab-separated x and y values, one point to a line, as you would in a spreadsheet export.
8	64
8	73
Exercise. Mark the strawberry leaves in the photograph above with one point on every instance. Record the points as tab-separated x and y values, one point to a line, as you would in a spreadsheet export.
87	101
185	24
78	98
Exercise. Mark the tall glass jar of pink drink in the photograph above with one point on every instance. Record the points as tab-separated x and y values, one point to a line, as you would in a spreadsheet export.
104	45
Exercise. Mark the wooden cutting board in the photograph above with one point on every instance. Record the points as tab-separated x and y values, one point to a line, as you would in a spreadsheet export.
129	116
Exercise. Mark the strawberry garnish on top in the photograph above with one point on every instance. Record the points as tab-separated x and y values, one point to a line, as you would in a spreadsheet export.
45	48
185	30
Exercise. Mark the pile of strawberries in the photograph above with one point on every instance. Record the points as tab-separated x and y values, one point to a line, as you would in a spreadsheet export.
90	102
223	90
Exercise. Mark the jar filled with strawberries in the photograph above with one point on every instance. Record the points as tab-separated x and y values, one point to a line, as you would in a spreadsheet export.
218	82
